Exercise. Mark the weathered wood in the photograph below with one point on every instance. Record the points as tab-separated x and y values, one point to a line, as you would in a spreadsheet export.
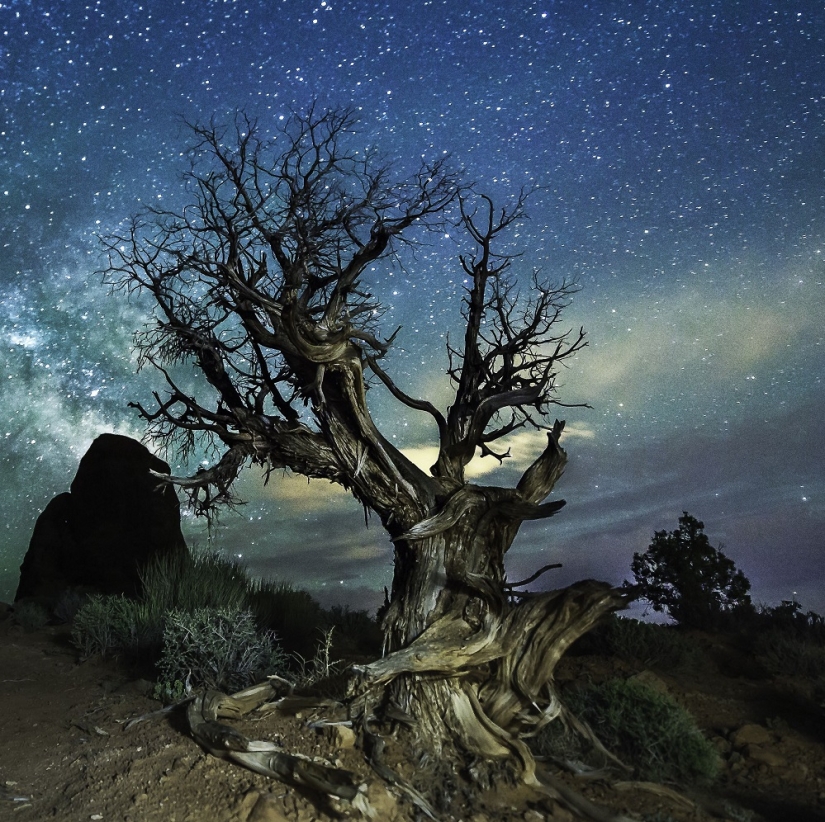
260	283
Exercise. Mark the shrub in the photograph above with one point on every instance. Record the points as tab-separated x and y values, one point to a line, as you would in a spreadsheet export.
185	599
786	653
789	618
69	603
650	644
356	632
321	667
647	729
293	614
114	625
31	616
187	583
219	648
682	574
210	580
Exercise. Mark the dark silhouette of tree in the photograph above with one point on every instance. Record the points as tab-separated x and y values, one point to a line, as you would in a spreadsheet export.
260	282
682	574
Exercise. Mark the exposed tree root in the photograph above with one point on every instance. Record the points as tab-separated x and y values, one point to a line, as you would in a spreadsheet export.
477	689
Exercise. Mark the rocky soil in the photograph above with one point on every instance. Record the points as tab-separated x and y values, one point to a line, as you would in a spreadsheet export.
65	753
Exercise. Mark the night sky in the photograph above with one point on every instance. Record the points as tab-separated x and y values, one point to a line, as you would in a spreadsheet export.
680	150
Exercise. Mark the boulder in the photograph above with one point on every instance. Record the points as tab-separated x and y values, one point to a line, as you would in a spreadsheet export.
97	536
751	734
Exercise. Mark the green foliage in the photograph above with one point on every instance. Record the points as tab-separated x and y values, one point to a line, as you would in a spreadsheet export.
218	648
649	644
169	692
112	626
646	729
187	583
790	655
682	574
293	614
184	606
31	616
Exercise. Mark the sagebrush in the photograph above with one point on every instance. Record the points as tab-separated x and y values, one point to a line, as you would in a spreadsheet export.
218	648
647	729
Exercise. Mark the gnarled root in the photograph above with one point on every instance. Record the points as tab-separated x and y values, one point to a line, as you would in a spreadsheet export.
489	686
478	688
264	758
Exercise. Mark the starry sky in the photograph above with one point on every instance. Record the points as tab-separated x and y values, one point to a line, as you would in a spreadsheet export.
679	149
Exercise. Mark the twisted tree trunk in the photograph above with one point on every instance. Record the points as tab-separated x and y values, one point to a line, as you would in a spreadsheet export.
468	661
260	284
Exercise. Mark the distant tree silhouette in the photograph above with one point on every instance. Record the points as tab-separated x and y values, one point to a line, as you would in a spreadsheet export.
682	574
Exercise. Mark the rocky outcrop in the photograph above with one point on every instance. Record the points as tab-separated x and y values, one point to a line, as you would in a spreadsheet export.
98	536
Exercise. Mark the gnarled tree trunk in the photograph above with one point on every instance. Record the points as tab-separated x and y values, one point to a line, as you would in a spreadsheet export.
259	284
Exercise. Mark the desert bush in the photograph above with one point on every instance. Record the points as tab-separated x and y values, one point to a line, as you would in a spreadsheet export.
218	648
210	580
293	614
31	616
683	575
649	644
786	653
356	632
646	729
69	603
789	618
181	591
187	583
112	626
320	667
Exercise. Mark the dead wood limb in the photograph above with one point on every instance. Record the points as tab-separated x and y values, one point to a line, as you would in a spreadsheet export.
264	758
508	586
576	802
374	752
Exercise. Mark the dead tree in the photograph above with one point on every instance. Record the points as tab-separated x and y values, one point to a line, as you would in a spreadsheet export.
260	282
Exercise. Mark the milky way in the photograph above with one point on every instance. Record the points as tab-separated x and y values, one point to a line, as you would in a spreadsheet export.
677	150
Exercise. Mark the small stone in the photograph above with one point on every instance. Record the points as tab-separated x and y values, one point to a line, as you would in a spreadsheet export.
751	734
341	736
533	816
721	744
765	756
796	775
650	680
383	803
248	803
265	810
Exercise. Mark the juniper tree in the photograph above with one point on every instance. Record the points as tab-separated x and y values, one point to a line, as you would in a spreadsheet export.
682	574
261	281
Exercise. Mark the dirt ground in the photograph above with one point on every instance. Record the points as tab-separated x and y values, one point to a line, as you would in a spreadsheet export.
65	753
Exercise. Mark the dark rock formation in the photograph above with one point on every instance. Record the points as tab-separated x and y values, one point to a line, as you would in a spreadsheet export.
97	536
